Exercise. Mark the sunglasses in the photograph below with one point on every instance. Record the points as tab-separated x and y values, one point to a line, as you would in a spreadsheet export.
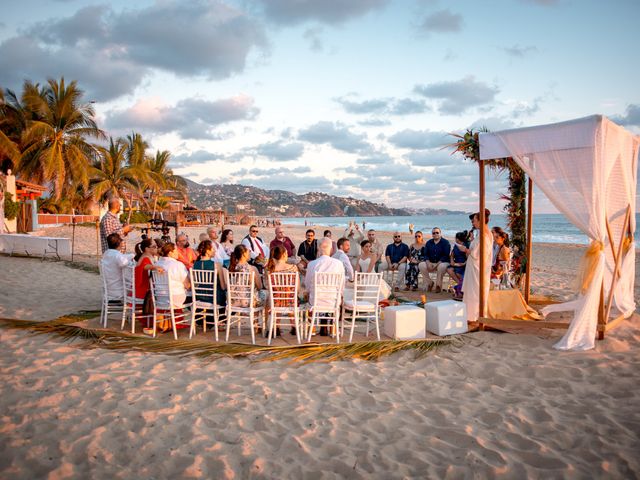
435	233
418	236
397	236
254	231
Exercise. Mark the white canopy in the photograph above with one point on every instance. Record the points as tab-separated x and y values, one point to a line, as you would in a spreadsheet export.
587	168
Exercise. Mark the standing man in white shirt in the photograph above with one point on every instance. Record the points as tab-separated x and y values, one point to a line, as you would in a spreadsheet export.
112	263
324	263
342	254
355	237
258	250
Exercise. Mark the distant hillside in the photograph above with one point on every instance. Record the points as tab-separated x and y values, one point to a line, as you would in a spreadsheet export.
256	201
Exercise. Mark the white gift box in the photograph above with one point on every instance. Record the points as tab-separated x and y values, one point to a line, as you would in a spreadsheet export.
404	322
446	317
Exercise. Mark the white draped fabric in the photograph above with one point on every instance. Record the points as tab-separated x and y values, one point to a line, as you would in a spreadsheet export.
587	169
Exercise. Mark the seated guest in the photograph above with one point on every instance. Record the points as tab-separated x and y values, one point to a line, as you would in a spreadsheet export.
220	254
146	252
324	263
283	241
240	263
226	240
334	245
396	255
205	261
436	252
367	259
185	254
258	250
112	263
278	264
355	236
458	261
177	273
308	250
201	237
376	248
503	256
342	254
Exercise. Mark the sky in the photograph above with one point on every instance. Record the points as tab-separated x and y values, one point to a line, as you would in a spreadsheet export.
347	97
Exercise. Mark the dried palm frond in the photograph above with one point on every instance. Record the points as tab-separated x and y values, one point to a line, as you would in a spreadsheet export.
117	340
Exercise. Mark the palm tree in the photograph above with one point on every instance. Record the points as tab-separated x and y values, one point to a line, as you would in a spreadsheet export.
162	177
12	124
113	174
55	140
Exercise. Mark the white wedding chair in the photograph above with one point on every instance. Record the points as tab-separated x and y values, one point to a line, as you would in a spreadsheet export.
163	301
364	304
132	305
204	284
241	296
108	306
326	302
283	302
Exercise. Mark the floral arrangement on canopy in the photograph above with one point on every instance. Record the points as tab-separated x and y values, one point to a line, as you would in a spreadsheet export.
469	147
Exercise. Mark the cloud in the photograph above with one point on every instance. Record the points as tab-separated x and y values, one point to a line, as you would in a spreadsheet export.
281	151
111	52
630	117
431	158
291	182
517	51
374	122
366	106
191	118
460	95
493	124
442	21
194	158
264	172
382	106
292	12
337	135
375	159
544	3
418	139
312	35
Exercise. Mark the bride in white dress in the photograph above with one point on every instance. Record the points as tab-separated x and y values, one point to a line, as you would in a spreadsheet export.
366	264
471	281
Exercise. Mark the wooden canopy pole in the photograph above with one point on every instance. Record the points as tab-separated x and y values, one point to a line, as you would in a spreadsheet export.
481	312
618	257
527	278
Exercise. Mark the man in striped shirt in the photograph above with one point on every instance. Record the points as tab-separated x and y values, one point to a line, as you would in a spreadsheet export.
110	223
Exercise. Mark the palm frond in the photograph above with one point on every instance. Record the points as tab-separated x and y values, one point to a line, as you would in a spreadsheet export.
118	340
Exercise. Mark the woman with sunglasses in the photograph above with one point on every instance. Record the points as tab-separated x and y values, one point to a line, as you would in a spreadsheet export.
416	255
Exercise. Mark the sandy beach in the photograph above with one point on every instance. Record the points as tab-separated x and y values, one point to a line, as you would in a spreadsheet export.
492	405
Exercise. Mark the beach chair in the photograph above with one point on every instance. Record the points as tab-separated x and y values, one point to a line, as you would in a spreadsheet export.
204	284
108	306
241	303
325	309
163	303
283	301
132	305
364	305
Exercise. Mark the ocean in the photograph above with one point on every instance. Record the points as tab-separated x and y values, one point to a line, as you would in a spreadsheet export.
551	228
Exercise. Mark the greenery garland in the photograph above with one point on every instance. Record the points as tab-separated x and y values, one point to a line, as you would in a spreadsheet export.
468	146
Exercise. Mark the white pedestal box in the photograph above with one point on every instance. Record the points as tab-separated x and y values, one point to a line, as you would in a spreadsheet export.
446	317
404	322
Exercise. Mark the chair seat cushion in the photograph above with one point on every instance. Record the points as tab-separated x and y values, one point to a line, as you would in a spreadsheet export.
360	305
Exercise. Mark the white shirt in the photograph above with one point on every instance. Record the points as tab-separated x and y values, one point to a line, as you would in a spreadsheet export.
323	263
250	244
348	268
177	273
221	254
112	263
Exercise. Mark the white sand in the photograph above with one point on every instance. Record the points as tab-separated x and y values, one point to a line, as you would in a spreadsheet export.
499	405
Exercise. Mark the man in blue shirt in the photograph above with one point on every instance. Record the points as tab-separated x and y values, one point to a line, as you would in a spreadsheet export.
396	255
437	251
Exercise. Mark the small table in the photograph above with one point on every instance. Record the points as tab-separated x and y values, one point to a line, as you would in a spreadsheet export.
32	245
